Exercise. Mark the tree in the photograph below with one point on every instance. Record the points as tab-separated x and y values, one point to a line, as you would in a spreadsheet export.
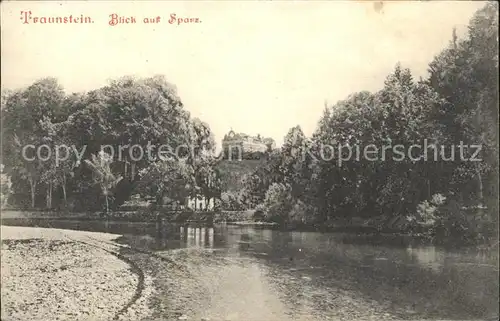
23	113
278	203
466	75
127	112
5	187
207	179
103	176
28	167
60	165
168	178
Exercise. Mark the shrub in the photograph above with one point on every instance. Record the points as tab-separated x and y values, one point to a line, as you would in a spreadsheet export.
230	201
465	223
5	189
428	217
301	213
445	217
259	213
278	203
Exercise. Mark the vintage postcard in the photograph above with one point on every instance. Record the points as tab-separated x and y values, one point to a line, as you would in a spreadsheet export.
249	160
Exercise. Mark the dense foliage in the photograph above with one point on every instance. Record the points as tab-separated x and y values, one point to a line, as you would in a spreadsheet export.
100	129
456	105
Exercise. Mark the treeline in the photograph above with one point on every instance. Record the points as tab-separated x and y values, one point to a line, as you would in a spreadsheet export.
86	176
457	105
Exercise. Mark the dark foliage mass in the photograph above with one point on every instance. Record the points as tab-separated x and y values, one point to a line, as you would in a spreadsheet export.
125	113
457	104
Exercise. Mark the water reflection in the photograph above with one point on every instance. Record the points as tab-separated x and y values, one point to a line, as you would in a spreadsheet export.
310	270
196	236
427	257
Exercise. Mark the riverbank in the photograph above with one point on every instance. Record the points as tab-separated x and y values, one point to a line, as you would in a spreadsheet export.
140	215
223	272
393	229
51	274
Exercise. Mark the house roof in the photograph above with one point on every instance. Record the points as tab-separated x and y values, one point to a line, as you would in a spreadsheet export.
234	135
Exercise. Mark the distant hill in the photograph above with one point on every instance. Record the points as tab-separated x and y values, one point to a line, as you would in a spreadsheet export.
232	172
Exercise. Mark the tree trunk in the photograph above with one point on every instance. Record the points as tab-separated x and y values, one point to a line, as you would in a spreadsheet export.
47	205
159	200
48	198
428	189
132	171
32	187
480	181
63	186
107	204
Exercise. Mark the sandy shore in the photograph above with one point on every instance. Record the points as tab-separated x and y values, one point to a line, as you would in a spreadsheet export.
51	274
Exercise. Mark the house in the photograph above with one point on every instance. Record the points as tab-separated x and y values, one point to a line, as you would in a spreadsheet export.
200	203
240	143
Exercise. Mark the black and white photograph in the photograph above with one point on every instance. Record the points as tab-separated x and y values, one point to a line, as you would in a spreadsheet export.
249	160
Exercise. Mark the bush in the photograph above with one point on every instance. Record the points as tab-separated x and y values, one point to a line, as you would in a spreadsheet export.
468	224
428	216
5	189
426	210
259	214
446	217
278	203
230	201
281	207
302	213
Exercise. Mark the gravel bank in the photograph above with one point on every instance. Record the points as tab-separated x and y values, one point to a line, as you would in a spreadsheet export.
50	274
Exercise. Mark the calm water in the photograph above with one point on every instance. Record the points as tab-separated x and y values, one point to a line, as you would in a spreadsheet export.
242	273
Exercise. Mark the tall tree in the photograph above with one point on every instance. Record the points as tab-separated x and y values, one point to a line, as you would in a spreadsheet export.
103	175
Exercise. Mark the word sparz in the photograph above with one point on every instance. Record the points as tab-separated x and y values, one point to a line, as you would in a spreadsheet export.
178	20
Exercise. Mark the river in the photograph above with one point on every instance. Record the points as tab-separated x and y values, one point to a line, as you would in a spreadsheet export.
227	272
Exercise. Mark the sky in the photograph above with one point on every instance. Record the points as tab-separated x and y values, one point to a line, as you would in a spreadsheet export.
258	67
